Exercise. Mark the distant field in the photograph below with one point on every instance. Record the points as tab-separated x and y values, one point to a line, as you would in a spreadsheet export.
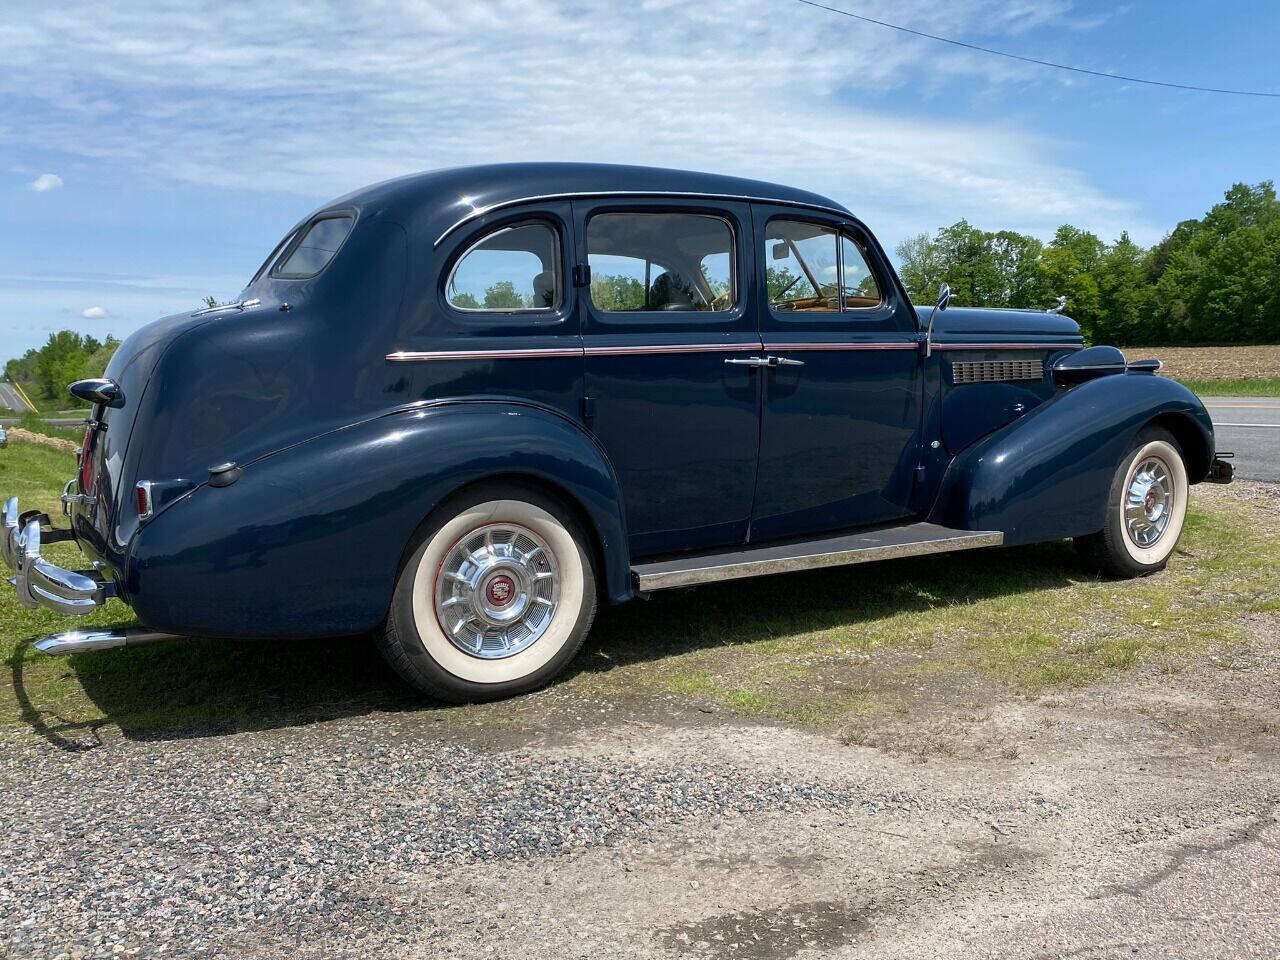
1219	370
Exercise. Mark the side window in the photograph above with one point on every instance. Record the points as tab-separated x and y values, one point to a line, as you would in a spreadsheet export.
313	252
858	287
800	266
515	268
808	268
679	262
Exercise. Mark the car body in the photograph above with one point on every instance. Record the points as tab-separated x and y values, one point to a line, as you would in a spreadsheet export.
694	368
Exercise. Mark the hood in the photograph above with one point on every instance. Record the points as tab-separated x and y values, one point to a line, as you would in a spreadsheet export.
974	323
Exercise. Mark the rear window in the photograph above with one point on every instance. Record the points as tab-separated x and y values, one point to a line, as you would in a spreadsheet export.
313	252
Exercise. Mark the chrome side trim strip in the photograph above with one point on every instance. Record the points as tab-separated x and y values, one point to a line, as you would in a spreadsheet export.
1008	346
888	345
736	570
623	351
477	212
412	356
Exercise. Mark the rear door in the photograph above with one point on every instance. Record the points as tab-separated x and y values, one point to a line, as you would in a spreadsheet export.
668	314
841	417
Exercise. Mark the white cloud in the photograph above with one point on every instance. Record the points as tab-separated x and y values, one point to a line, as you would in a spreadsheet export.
45	182
189	92
94	313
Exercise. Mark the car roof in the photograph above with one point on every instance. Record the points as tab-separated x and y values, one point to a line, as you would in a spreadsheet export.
441	200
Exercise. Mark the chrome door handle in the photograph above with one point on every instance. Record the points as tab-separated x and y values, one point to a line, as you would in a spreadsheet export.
749	362
784	362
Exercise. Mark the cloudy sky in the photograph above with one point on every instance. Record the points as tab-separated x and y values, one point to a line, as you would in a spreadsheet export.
152	153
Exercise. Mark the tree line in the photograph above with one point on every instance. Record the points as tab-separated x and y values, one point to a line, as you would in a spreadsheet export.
65	358
1215	280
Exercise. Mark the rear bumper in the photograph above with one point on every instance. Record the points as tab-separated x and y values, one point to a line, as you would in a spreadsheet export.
40	583
1220	471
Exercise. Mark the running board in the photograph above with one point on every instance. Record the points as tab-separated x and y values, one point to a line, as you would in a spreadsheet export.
884	543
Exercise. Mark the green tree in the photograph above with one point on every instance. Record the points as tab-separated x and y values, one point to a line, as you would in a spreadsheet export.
503	296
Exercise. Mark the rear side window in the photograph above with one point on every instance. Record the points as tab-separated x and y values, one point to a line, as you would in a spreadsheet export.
515	268
313	252
661	261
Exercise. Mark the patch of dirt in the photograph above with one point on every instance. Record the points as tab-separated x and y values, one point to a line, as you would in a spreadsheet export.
1214	363
27	436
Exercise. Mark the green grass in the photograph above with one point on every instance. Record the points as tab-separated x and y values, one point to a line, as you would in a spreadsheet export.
1234	388
818	648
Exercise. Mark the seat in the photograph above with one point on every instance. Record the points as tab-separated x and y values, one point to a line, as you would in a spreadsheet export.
544	289
670	292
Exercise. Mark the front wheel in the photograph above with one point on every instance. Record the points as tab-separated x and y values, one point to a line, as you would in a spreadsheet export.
495	598
1146	509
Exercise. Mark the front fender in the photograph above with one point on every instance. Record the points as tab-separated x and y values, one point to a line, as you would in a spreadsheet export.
1048	474
309	540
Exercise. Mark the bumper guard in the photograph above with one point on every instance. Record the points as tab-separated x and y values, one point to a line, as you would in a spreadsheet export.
40	583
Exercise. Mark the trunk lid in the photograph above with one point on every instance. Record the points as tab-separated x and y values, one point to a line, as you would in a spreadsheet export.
106	491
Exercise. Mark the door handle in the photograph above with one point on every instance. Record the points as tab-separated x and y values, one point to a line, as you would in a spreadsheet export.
769	361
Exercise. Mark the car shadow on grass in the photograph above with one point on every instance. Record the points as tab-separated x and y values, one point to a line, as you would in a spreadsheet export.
199	687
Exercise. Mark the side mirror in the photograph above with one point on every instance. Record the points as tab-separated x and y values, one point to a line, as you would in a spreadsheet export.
944	300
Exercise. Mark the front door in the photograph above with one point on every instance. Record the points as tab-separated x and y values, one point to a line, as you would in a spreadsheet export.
841	413
668	318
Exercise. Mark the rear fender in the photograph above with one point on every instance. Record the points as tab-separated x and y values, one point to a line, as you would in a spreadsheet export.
309	540
1048	474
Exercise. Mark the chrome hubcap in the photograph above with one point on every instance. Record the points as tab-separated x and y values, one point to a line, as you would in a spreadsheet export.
496	591
1148	502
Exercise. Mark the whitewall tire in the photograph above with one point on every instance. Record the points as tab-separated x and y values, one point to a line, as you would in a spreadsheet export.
1146	509
495	597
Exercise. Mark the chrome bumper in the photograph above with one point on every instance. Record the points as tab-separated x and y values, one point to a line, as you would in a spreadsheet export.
40	583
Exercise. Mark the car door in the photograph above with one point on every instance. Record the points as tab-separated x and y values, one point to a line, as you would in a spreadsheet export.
842	395
668	312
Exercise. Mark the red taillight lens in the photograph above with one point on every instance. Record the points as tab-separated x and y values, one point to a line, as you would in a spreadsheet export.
86	467
142	493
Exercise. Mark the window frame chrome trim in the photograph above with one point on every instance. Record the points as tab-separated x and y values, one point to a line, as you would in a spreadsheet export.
562	295
478	212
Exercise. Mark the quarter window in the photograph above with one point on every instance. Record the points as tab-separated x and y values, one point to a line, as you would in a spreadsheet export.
512	269
316	248
661	261
811	268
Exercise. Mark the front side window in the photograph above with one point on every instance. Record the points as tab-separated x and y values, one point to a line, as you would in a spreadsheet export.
514	268
661	261
316	248
811	268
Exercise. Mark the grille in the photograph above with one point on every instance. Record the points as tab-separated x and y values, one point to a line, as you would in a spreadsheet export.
986	371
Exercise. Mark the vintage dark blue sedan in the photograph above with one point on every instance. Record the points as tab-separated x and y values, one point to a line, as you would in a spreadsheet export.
458	407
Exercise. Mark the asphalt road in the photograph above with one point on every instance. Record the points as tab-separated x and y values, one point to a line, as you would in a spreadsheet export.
1250	428
10	399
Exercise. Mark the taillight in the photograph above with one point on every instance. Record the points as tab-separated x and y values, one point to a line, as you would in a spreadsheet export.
142	493
86	467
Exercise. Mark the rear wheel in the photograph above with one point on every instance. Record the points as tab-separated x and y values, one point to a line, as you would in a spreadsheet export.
1146	509
495	598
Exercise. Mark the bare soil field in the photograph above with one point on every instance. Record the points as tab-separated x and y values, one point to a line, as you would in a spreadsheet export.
1214	363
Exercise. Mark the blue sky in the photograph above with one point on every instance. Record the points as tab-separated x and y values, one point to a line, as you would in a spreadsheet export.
177	142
